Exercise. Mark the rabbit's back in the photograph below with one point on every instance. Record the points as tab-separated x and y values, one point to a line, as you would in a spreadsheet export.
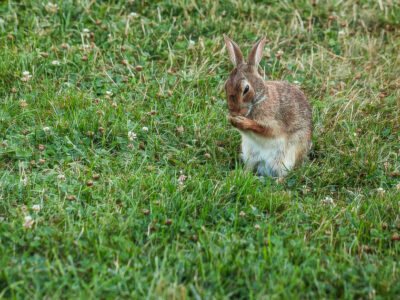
286	105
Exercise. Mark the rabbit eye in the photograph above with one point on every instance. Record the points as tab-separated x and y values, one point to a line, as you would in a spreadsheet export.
246	89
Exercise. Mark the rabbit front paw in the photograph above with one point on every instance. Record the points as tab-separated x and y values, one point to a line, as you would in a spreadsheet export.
243	123
237	121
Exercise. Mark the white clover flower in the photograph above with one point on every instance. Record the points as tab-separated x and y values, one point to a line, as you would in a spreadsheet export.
341	32
61	177
191	44
145	128
23	103
109	93
305	189
46	129
132	15
52	7
280	52
28	222
131	135
55	63
328	200
36	207
182	177
85	30
380	191
26	76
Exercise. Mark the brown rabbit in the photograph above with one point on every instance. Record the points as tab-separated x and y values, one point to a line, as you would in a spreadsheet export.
273	117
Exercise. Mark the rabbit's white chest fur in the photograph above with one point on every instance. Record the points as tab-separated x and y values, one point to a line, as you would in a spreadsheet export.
267	156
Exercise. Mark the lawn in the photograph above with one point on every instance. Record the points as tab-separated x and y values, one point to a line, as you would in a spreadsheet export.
120	176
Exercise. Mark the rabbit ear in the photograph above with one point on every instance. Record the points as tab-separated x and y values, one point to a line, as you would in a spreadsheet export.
235	54
256	52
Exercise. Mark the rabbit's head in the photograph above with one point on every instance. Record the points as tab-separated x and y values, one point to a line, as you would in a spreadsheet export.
244	85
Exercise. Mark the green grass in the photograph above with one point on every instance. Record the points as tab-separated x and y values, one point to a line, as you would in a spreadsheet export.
140	230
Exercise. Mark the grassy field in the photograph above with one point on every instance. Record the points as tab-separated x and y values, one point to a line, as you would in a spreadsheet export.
120	176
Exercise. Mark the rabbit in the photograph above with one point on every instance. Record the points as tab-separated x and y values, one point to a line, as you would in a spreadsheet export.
273	117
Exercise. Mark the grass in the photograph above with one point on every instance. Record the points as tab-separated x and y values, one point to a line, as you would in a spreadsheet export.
171	213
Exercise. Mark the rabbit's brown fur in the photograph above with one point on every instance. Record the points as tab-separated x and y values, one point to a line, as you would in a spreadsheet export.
274	117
